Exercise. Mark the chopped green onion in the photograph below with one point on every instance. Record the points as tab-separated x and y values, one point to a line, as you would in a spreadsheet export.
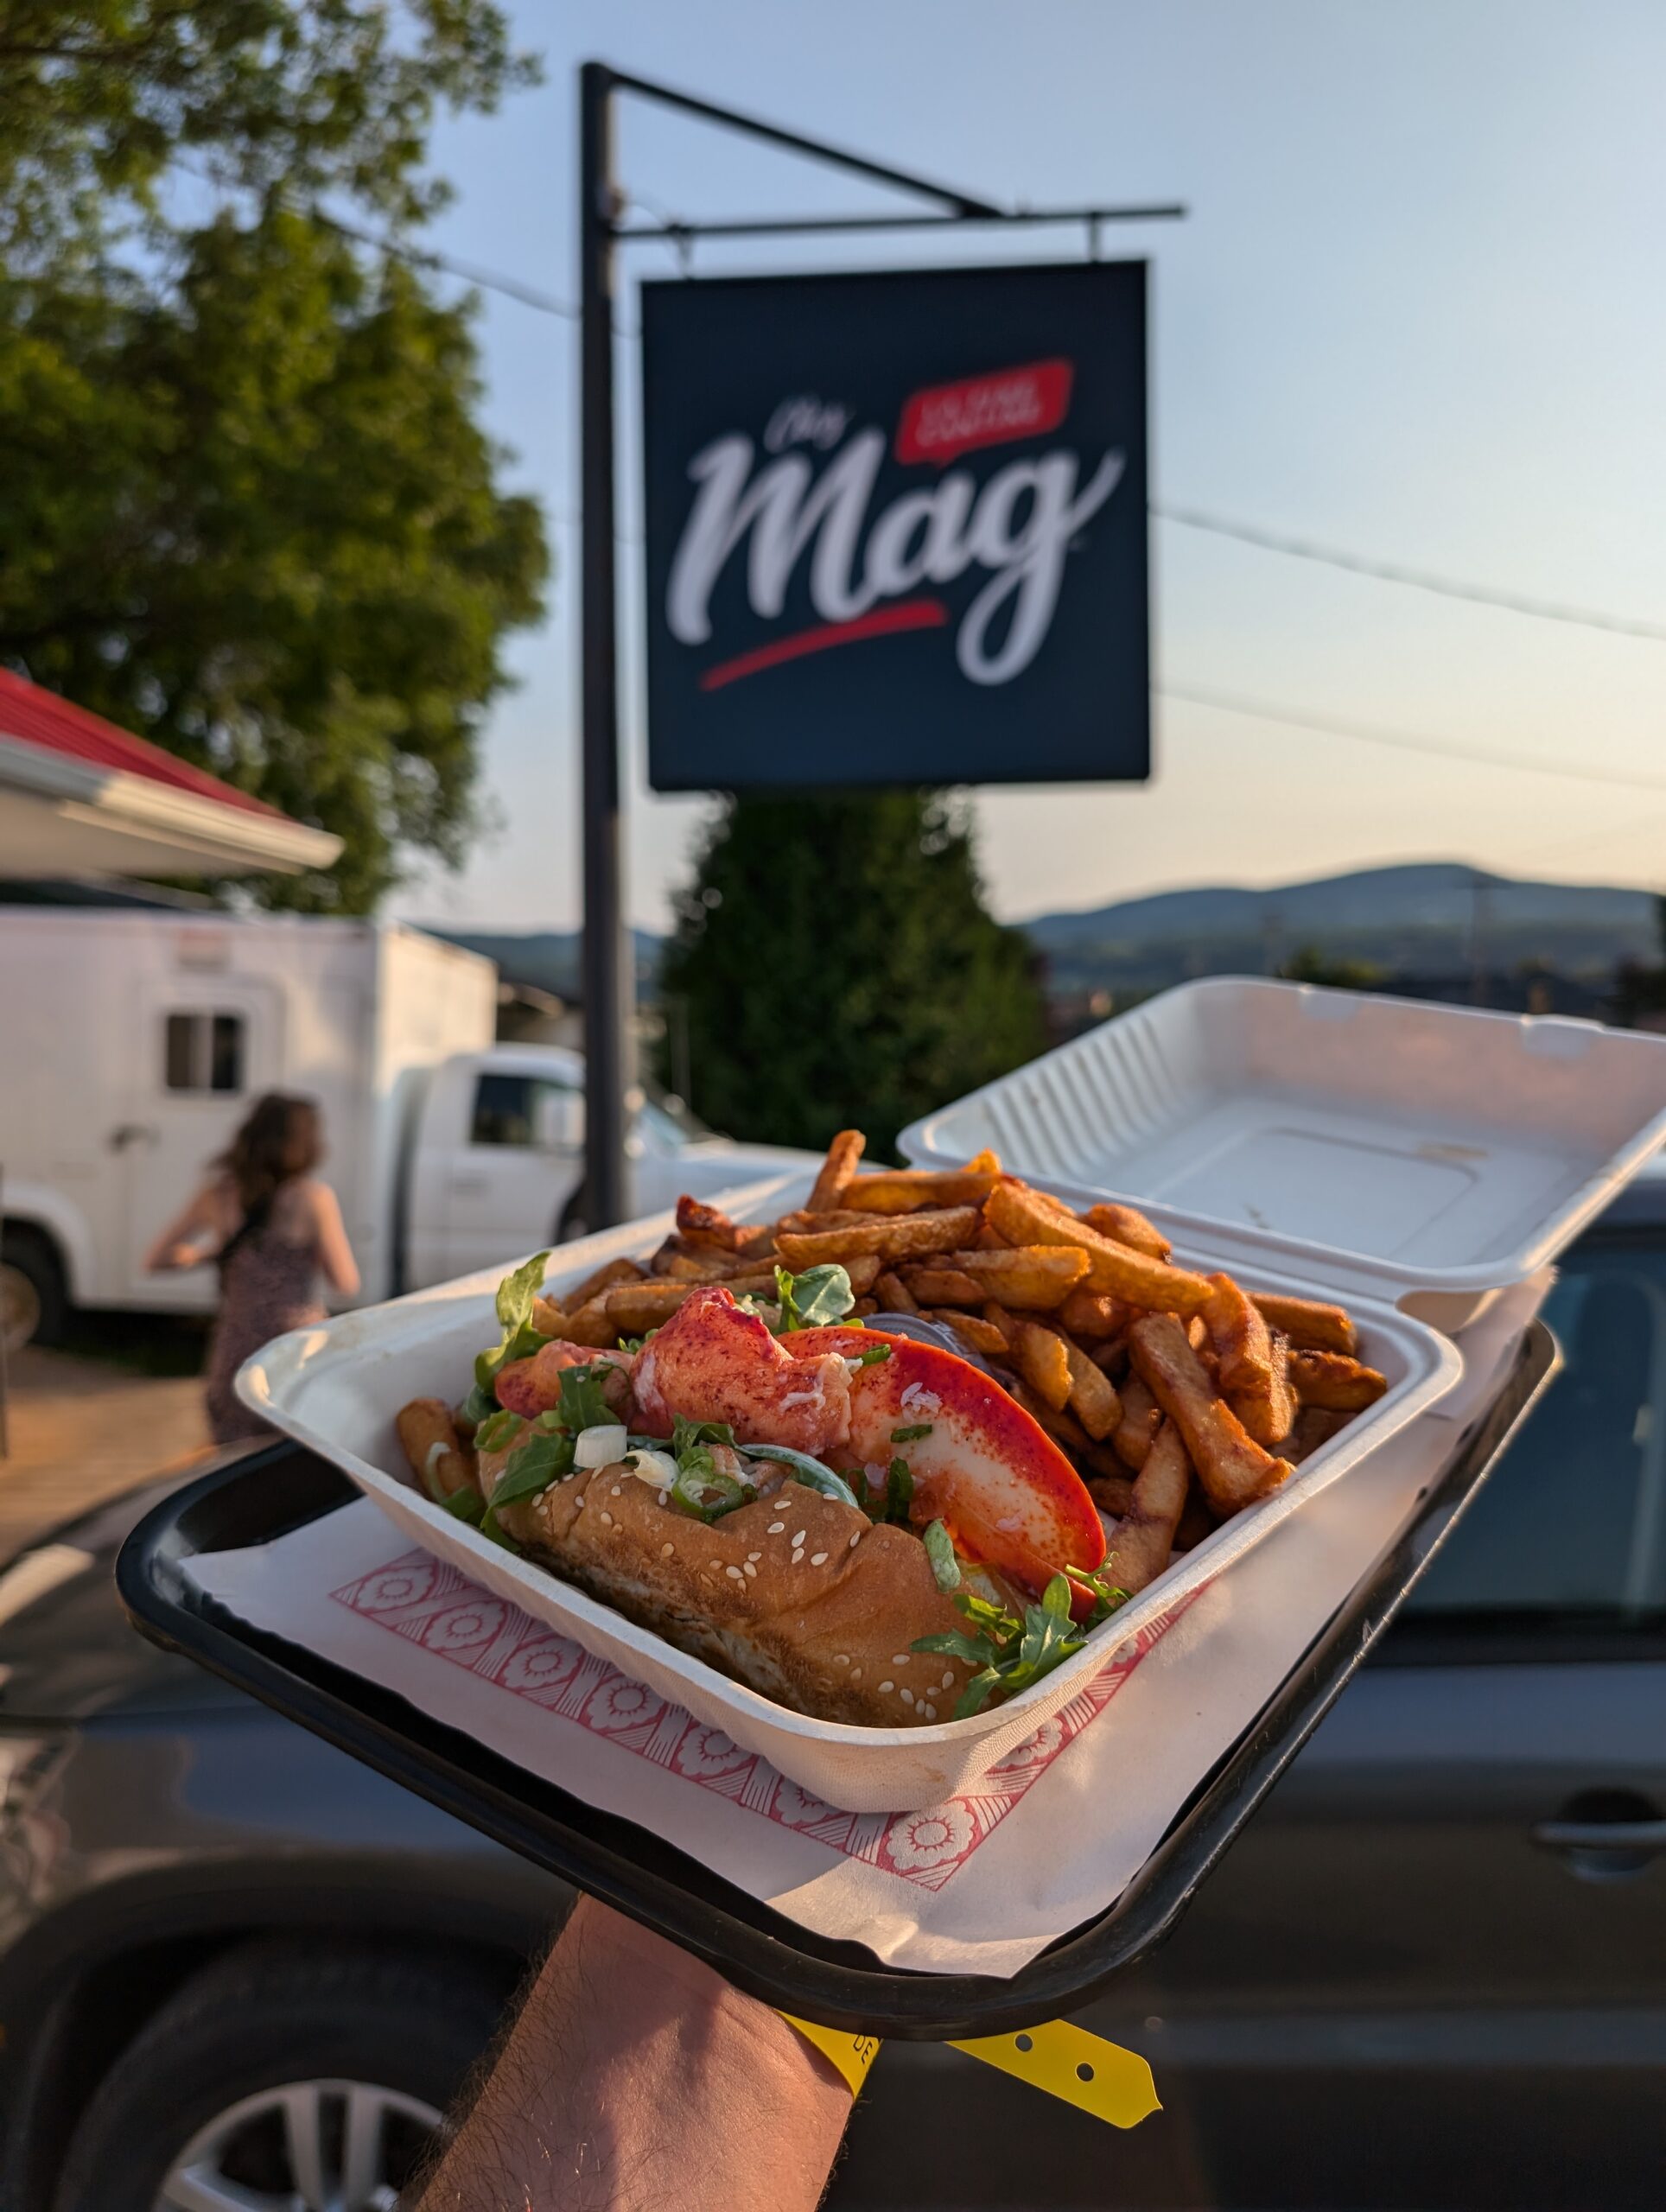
899	1490
694	1482
910	1435
940	1550
467	1503
873	1352
811	1472
497	1430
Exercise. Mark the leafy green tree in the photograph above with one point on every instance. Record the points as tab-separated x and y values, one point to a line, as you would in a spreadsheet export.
97	98
836	968
1311	965
248	508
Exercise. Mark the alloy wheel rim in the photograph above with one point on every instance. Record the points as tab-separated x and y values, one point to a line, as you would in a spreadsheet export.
20	1307
322	2145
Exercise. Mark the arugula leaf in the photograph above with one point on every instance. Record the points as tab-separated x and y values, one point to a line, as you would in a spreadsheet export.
940	1550
514	1307
493	1528
687	1435
910	1435
899	1490
1108	1597
467	1503
814	1300
543	1459
481	1401
583	1404
1009	1654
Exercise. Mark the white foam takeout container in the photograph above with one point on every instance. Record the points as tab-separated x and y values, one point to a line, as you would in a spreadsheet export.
1426	1156
337	1388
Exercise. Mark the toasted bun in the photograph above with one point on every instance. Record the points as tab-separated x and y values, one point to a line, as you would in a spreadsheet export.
798	1595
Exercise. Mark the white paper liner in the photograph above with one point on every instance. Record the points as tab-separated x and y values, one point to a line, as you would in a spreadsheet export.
979	1886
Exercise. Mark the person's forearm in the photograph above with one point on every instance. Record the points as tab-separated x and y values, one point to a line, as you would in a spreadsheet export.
635	2077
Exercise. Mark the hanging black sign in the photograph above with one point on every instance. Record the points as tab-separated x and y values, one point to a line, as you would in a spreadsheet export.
897	528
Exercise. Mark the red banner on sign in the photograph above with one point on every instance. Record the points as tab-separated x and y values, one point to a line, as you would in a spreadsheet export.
949	419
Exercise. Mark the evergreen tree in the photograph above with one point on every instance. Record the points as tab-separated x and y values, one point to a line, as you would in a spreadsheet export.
836	967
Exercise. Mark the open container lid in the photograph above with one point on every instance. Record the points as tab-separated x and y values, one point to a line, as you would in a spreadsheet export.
1429	1155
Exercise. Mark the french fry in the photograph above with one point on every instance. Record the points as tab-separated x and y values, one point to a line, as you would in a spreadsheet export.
1094	1314
1306	1322
1243	1341
1269	1411
1339	1384
1197	1522
633	1308
704	1224
864	1308
1044	1362
1100	1459
864	1271
1232	1467
982	1336
1197	1335
1027	1216
1038	1276
547	1316
1128	1225
1093	1398
836	1170
1004	1324
894	1294
1131	1438
905	1189
1112	1494
1111	1356
591	1327
805	1223
891	1236
942	1287
1143	1543
604	1279
1061	1426
990	1239
434	1449
1314	1425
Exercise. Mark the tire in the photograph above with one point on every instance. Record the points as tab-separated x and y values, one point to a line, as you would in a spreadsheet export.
33	1300
393	2032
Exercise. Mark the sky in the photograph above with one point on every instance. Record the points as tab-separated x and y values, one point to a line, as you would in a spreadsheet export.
1414	313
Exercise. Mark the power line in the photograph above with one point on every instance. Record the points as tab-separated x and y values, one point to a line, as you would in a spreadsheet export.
468	272
1299	549
1227	702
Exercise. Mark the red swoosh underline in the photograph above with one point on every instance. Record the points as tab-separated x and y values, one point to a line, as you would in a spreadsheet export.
883	622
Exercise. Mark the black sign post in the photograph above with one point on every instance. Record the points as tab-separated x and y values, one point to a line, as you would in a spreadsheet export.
976	387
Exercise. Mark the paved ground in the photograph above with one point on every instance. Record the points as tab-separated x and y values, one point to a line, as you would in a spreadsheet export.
82	1428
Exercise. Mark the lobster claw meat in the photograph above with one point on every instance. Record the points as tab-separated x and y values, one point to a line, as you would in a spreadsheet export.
1006	1492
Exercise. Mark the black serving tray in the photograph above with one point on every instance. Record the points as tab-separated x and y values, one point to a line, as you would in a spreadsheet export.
280	1487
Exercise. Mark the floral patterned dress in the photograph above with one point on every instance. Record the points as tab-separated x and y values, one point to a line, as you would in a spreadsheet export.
267	1284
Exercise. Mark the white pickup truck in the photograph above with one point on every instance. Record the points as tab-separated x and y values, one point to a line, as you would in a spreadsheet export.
133	1043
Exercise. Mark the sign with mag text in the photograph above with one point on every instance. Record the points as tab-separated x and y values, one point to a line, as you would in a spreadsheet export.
896	528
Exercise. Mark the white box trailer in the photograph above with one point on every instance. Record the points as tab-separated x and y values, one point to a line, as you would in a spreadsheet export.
132	1043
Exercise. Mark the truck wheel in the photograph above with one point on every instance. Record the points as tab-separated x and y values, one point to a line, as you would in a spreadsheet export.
285	2074
575	1220
34	1304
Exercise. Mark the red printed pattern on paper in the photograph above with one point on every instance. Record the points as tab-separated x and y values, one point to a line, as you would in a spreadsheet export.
946	420
430	1603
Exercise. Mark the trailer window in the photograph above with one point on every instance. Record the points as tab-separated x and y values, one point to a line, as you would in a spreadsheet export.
203	1052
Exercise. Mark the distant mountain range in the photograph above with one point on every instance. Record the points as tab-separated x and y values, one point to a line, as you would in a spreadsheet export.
1429	918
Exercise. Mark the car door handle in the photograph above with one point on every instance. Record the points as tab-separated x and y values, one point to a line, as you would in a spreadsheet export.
1601	1835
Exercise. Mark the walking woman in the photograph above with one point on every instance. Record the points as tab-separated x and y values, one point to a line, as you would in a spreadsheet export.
272	1228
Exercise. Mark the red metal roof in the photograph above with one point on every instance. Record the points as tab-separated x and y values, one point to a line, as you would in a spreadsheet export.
42	718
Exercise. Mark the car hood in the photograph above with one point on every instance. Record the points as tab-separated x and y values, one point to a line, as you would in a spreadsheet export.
66	1648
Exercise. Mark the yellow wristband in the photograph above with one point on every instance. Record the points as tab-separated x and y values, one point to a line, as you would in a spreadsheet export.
852	2055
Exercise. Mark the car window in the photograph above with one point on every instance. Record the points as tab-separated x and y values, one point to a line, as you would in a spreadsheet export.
513	1109
1571	1527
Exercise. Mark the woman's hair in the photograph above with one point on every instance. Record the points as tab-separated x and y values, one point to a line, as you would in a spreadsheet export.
283	1138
